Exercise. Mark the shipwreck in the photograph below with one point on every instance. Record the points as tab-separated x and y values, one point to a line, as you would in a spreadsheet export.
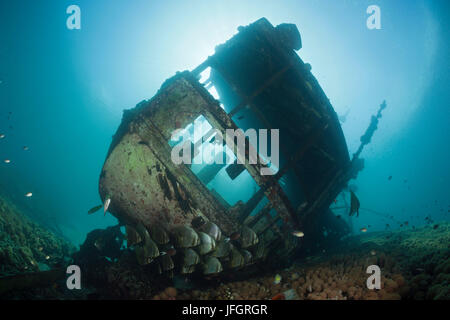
174	218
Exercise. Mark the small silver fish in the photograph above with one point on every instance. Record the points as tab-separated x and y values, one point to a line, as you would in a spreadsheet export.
106	205
28	195
2	136
7	161
298	234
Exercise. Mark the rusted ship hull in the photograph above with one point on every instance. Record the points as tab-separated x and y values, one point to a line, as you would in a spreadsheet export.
258	73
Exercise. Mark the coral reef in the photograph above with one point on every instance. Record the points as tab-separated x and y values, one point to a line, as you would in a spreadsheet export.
340	277
127	280
415	264
25	246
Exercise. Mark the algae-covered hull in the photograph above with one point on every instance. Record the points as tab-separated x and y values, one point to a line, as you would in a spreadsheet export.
168	206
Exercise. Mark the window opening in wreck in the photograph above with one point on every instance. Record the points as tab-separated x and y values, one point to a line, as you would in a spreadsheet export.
206	81
204	77
215	175
245	118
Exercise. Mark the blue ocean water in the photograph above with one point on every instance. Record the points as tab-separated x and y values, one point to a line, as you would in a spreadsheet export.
62	93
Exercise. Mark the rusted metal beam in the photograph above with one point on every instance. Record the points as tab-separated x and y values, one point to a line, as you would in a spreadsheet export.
269	225
251	204
270	222
201	67
259	215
